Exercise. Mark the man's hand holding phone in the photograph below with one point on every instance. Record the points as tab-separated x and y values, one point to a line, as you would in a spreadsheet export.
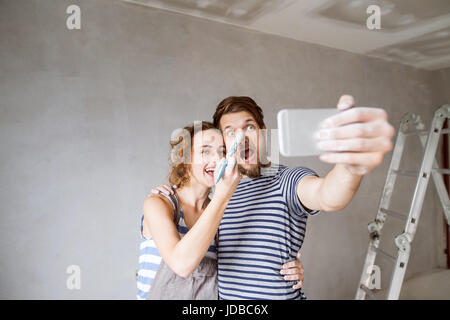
357	137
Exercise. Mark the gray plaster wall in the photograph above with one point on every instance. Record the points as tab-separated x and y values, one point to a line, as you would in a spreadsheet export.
442	86
85	118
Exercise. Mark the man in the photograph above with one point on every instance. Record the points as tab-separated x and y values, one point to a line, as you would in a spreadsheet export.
265	221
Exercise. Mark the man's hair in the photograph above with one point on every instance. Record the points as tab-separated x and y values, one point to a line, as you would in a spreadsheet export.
237	104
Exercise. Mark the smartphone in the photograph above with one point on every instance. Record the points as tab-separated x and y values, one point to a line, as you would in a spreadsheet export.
220	169
297	128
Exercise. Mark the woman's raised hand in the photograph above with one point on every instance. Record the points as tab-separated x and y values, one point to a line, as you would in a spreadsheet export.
230	179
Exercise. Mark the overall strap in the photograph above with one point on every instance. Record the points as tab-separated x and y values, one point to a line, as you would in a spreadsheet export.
173	198
177	209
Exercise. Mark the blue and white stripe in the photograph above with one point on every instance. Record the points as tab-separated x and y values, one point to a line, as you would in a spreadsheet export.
149	259
263	227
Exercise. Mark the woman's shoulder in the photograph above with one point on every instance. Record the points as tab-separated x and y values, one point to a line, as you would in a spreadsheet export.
156	209
157	203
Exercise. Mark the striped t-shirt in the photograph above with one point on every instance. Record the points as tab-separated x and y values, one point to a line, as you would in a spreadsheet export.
149	258
263	227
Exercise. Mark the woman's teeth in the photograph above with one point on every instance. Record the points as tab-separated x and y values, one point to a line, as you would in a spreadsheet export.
210	171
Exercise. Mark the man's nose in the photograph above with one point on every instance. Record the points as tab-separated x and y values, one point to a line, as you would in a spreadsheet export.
246	142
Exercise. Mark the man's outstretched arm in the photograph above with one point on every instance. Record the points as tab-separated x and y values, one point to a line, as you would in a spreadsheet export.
356	141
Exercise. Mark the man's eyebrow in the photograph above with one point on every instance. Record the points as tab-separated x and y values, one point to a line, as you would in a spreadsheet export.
226	128
206	146
246	121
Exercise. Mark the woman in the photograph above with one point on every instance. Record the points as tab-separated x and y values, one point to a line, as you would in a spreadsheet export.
181	227
186	243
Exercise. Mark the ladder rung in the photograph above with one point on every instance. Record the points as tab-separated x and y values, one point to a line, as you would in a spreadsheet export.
386	255
444	171
416	132
409	173
394	214
368	291
424	132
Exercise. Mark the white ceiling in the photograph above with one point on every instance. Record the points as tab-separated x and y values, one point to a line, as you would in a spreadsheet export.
413	32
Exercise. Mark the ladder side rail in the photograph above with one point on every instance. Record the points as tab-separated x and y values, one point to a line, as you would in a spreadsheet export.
404	240
443	113
384	202
441	190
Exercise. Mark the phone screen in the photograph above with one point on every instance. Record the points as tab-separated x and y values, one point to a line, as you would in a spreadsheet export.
297	128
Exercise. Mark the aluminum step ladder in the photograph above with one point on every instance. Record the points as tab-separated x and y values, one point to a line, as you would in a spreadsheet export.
411	125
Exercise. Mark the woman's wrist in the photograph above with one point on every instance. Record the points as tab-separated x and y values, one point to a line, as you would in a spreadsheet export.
223	192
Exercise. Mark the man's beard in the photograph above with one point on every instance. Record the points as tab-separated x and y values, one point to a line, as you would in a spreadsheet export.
253	172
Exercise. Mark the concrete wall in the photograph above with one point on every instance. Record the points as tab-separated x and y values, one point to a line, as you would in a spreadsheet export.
85	118
442	86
